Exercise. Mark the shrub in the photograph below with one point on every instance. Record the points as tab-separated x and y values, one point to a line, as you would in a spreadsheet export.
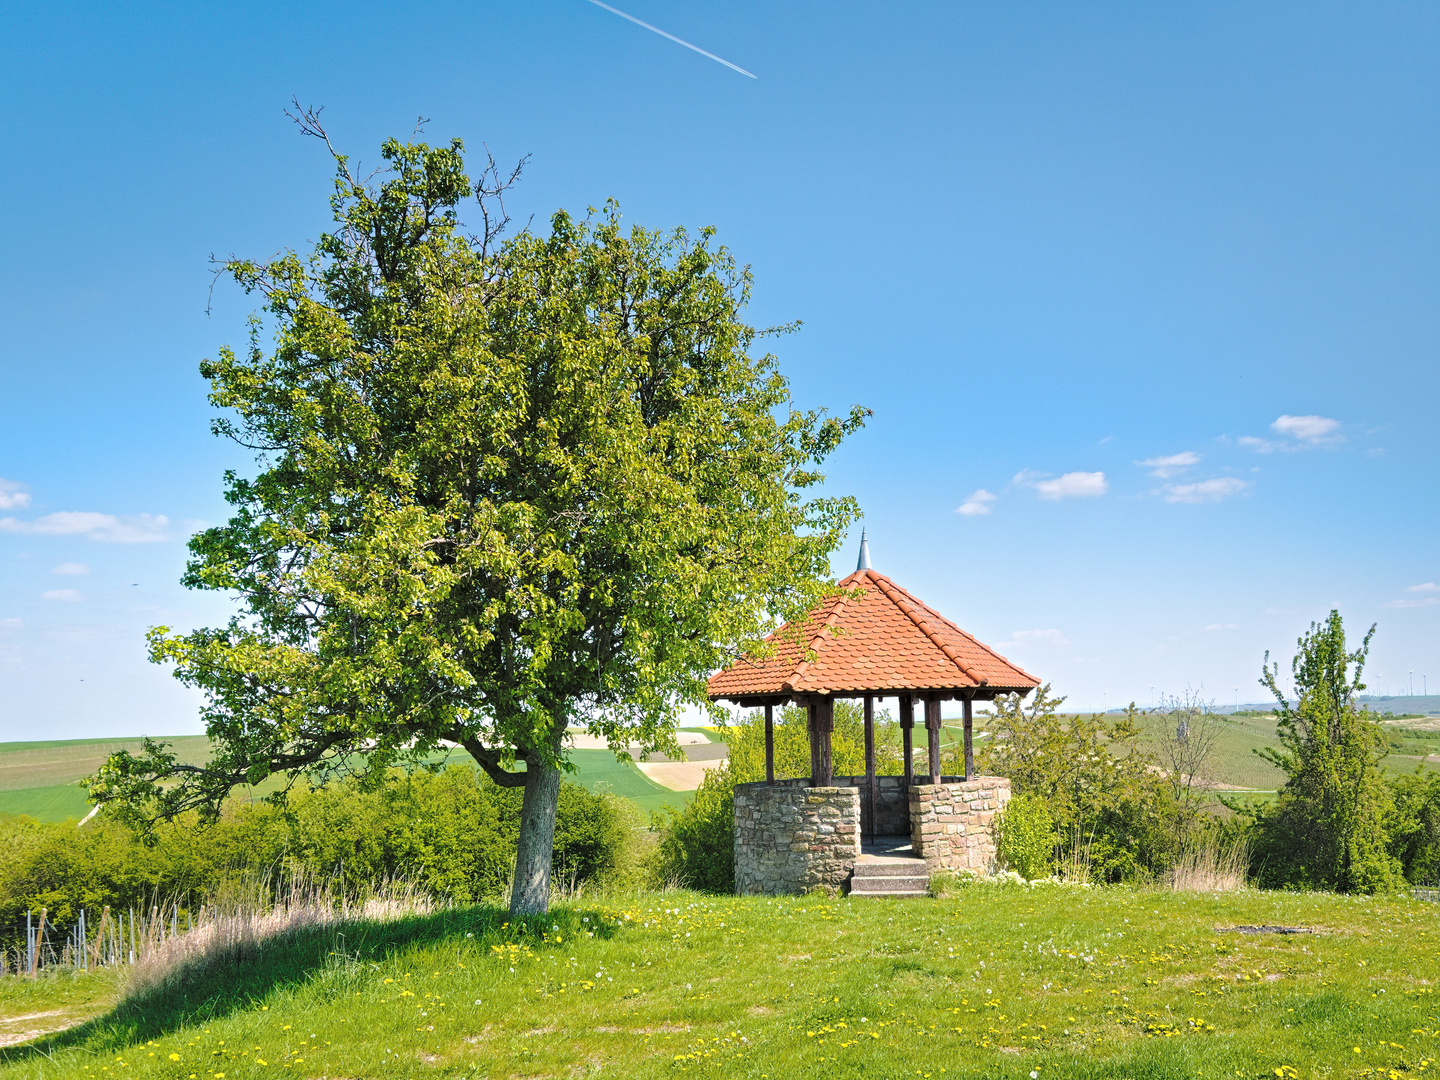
1111	814
1414	826
451	833
1025	840
697	844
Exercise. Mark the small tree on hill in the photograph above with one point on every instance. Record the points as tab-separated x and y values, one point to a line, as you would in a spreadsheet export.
504	488
1185	730
1327	828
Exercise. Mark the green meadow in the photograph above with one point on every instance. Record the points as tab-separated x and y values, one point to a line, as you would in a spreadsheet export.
991	981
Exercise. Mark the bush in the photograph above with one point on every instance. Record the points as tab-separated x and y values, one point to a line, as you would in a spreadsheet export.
1414	826
1025	840
697	844
1112	816
451	834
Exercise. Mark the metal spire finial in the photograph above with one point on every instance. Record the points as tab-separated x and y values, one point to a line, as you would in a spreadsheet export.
864	563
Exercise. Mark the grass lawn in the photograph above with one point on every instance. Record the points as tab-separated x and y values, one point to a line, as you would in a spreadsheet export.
995	981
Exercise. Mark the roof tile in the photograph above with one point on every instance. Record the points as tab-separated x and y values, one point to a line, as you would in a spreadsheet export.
873	637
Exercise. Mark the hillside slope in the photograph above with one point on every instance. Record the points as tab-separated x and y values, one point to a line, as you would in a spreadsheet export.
997	982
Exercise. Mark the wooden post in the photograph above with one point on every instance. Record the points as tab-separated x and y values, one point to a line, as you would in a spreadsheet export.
907	724
814	740
39	942
769	744
824	724
870	759
969	746
100	933
932	730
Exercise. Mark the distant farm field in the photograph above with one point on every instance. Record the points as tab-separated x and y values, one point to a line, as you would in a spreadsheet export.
40	779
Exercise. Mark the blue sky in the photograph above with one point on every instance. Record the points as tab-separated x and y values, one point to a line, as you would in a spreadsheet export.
1144	297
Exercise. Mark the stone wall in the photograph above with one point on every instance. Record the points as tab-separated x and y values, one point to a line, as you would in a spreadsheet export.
791	837
892	803
952	823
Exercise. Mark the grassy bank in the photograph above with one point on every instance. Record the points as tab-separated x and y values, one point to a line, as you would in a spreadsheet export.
995	981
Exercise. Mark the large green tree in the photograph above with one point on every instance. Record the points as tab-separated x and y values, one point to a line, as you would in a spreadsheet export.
504	487
1327	827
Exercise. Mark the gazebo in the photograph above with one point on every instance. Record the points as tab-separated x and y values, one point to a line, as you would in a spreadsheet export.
870	641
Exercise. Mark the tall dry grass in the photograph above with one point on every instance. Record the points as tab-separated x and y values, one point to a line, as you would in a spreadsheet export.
1075	864
247	917
1211	868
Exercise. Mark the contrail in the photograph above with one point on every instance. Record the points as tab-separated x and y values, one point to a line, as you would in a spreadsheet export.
672	37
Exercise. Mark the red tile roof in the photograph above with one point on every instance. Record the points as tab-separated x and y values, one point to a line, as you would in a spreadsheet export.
888	642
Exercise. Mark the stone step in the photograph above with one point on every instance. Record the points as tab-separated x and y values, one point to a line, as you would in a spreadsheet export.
892	868
861	894
890	886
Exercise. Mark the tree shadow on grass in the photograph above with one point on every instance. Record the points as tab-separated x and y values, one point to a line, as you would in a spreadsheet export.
208	988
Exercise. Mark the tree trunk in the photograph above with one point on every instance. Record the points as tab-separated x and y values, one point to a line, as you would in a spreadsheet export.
530	893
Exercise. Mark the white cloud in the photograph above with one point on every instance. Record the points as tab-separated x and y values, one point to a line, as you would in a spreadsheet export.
11	624
1202	491
1308	429
1424	601
13	496
102	528
71	569
1040	637
978	503
1073	485
1426	596
1260	446
1166	467
67	596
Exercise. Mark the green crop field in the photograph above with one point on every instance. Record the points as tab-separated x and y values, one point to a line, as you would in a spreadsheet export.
598	770
57	802
39	778
995	981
